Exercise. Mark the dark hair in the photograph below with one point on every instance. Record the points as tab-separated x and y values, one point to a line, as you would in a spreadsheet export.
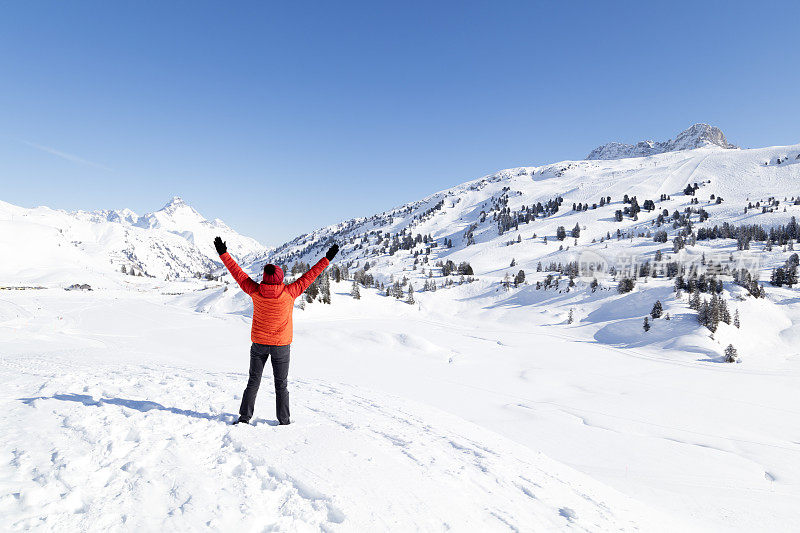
269	270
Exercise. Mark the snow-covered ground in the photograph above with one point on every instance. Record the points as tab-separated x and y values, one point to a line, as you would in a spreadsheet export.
116	410
116	404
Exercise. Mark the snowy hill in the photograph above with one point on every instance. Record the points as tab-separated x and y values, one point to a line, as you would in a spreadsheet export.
697	136
54	246
483	218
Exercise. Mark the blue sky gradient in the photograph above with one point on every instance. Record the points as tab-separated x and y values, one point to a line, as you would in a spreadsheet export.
283	117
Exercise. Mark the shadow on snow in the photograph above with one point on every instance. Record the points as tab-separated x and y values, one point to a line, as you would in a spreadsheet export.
143	406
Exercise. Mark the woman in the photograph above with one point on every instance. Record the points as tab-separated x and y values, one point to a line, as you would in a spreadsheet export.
271	333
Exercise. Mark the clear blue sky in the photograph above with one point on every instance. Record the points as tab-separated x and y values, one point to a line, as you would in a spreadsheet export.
281	117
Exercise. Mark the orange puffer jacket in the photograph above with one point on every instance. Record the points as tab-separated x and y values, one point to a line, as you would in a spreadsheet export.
272	304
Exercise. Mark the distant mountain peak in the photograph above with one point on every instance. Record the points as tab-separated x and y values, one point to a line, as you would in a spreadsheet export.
176	204
176	200
699	135
696	136
176	215
179	217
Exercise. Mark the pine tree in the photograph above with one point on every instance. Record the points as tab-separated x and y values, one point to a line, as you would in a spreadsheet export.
465	269
736	319
312	291
646	324
325	288
724	314
355	292
397	290
571	317
410	298
731	356
576	231
625	285
791	274
657	310
694	300
702	313
778	277
561	233
712	317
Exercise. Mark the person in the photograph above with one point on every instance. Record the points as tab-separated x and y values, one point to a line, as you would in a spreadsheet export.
271	332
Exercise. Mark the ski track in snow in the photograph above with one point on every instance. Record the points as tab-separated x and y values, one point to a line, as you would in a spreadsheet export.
99	447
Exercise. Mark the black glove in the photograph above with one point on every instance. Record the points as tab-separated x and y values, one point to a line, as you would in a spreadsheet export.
332	251
220	246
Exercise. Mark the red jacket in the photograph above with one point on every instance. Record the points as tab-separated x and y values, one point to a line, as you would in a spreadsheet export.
272	304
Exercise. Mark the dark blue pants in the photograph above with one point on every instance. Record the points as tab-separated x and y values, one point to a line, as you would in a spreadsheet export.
280	372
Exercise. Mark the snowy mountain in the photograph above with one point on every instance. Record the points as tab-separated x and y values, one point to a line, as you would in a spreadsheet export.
697	136
123	216
480	218
57	246
180	218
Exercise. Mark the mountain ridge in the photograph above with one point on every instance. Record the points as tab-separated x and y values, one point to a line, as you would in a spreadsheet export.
698	135
173	242
176	241
449	215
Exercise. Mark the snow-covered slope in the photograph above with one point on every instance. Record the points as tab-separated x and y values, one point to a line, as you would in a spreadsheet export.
517	200
132	433
53	246
696	136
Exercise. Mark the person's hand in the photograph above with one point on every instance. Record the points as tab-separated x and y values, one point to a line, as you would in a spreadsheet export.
220	246
332	251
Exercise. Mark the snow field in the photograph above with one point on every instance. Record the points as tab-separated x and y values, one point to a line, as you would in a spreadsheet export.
149	447
711	444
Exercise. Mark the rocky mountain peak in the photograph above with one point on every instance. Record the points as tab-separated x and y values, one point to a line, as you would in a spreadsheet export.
696	136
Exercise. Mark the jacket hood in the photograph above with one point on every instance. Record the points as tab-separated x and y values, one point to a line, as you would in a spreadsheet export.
270	290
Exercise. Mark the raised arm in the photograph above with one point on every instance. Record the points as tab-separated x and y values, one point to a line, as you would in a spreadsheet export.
296	289
248	285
